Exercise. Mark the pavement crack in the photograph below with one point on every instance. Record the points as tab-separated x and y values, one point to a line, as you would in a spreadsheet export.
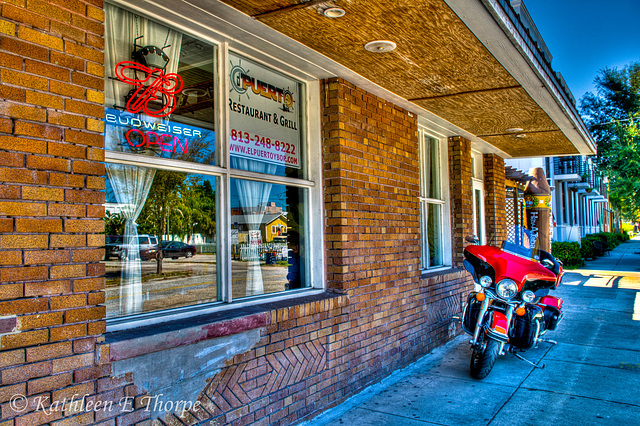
518	387
594	365
403	417
601	347
591	398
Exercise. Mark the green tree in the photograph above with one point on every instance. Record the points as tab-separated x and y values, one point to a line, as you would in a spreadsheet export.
623	166
114	223
612	116
163	198
196	211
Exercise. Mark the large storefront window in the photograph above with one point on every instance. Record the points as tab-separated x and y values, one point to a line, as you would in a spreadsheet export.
160	247
432	202
168	187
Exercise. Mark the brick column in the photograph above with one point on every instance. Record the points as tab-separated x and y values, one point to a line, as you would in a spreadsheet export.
495	198
371	179
461	193
51	206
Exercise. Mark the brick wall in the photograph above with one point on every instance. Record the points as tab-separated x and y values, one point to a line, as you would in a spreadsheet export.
495	198
371	186
51	205
314	355
461	195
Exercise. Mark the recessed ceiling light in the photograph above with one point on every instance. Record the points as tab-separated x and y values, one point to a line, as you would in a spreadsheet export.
514	129
380	46
333	12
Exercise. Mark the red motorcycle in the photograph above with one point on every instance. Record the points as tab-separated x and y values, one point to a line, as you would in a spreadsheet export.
511	309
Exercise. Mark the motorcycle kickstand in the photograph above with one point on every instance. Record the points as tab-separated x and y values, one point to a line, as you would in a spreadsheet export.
526	360
549	341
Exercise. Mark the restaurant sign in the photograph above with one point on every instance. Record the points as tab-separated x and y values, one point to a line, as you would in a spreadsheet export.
263	114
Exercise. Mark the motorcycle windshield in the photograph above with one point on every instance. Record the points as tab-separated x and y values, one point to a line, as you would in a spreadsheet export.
522	242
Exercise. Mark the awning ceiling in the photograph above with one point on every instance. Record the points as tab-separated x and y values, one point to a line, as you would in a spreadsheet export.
439	64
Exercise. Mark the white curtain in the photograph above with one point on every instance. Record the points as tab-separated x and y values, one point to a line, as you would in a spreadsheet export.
131	186
253	198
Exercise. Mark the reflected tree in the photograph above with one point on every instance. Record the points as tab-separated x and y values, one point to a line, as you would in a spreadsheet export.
164	196
196	210
114	223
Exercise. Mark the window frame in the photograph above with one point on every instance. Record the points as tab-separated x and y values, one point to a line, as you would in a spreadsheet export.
444	201
312	137
477	184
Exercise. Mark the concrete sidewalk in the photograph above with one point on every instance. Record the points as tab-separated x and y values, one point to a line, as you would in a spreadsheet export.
592	377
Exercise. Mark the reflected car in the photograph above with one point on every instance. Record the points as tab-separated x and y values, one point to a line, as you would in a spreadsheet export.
113	247
176	249
148	246
150	253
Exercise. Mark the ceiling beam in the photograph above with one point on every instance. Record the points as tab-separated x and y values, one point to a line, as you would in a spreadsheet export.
303	5
523	131
449	95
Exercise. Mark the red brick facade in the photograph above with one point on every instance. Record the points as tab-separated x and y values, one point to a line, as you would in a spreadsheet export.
371	186
495	198
51	207
382	315
461	193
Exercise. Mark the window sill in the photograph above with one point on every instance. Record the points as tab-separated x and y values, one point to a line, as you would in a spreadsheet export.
130	343
429	273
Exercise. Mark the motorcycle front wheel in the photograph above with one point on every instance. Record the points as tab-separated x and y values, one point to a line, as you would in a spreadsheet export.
483	358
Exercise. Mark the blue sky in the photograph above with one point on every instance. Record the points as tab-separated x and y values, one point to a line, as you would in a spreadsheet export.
585	36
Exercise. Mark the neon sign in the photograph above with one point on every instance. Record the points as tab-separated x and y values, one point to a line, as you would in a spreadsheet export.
161	89
141	134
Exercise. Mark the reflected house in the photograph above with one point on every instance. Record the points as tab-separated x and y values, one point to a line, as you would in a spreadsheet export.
276	229
272	227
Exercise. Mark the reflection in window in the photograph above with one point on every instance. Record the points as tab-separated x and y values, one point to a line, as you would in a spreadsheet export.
431	202
267	238
161	225
160	247
434	235
478	214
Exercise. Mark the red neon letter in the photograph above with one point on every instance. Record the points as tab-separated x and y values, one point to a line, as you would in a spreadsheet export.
177	144
141	134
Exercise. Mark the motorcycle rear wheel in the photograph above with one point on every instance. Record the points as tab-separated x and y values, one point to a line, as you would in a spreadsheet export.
482	360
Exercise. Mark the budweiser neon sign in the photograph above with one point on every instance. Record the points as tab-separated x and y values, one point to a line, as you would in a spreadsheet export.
154	86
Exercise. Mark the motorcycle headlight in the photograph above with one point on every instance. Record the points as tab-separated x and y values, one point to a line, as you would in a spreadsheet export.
506	289
485	281
528	296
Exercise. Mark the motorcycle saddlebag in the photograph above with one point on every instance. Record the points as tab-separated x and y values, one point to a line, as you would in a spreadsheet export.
552	317
470	314
523	333
552	311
